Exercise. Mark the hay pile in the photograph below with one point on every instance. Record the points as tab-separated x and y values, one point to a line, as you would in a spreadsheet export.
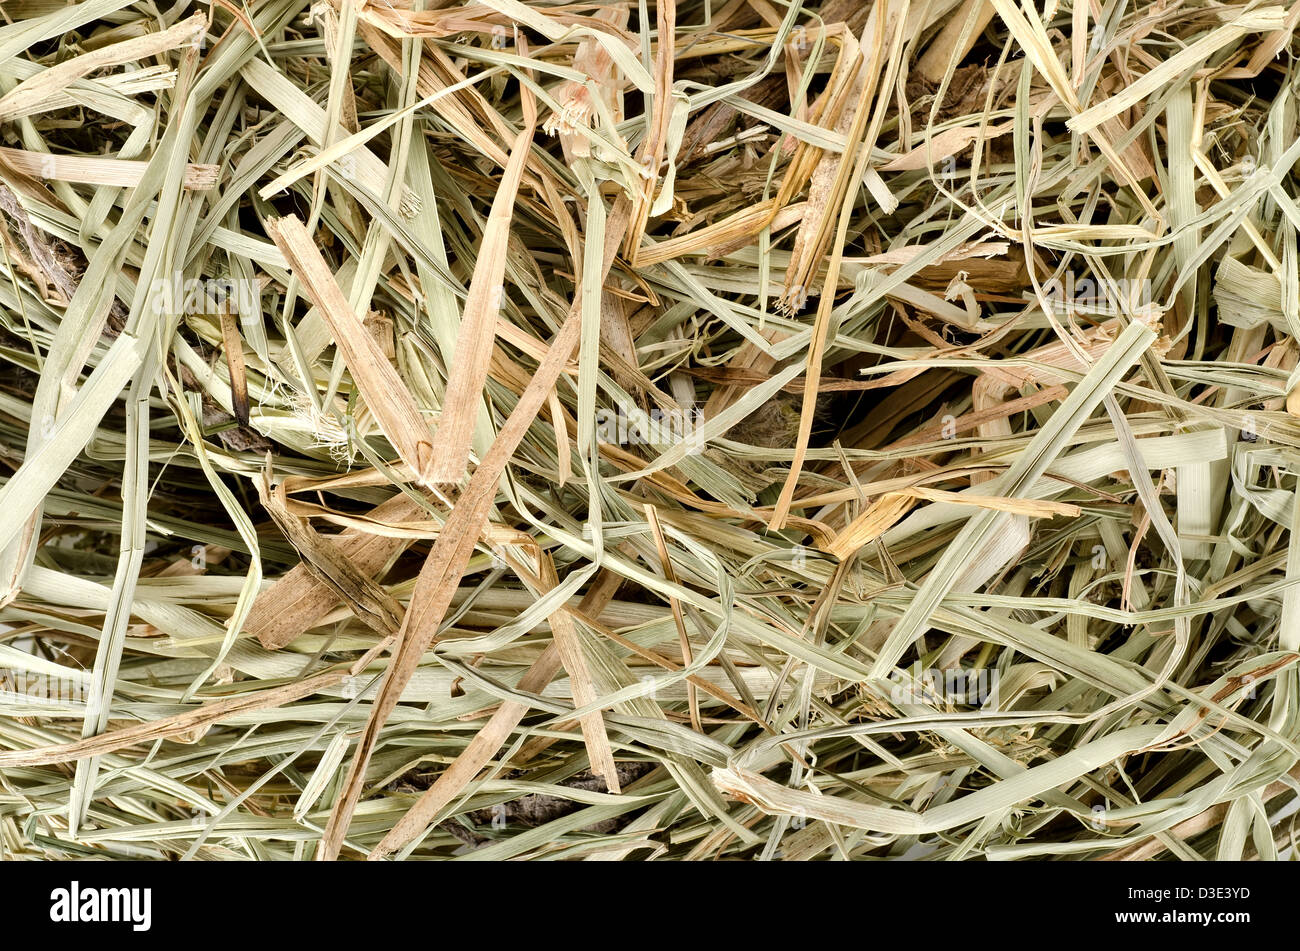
700	430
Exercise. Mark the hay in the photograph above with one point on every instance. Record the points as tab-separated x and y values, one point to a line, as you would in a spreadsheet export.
649	431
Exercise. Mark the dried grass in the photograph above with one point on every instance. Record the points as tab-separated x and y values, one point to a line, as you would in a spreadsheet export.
649	431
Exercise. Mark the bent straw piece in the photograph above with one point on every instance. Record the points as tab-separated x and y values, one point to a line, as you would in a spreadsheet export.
389	400
367	601
299	600
886	511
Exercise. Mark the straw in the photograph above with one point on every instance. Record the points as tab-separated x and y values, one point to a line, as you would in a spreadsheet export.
659	431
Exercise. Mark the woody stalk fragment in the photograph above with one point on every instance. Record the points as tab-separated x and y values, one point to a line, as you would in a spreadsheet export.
668	431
